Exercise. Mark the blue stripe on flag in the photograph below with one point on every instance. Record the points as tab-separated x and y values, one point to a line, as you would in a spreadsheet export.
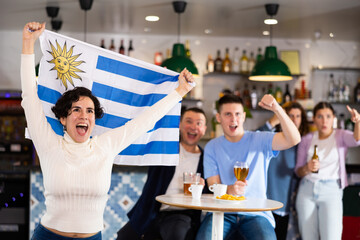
47	94
112	121
156	147
56	126
132	71
125	97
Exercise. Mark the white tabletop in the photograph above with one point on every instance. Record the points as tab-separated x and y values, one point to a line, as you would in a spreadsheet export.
209	203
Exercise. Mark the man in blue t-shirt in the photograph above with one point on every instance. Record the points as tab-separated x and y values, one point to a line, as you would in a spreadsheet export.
254	148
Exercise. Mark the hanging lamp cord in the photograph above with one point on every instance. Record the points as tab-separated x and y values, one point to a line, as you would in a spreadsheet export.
85	26
178	27
271	32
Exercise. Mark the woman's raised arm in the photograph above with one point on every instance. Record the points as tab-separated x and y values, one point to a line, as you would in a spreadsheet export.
31	32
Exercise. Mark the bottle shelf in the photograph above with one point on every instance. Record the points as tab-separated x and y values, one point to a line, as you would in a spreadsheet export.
241	74
335	69
345	103
226	73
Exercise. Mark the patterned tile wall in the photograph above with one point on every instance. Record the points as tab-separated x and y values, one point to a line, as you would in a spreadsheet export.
124	191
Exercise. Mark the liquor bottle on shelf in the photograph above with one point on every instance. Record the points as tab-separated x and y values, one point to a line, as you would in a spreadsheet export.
130	49
236	61
259	56
287	95
237	92
278	95
112	45
336	91
102	45
341	121
331	95
335	122
349	125
187	49
121	48
346	91
315	157
270	89
251	63
226	64
168	53
341	90
263	92
158	59
246	96
218	62
244	61
210	64
254	98
303	90
357	92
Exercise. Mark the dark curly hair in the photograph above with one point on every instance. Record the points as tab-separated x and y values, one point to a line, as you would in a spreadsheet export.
64	103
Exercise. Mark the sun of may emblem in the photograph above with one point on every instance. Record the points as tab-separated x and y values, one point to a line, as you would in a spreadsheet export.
65	63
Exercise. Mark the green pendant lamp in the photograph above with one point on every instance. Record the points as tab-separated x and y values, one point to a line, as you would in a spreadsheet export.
179	61
271	68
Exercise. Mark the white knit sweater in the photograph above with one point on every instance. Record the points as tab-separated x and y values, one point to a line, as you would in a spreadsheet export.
77	175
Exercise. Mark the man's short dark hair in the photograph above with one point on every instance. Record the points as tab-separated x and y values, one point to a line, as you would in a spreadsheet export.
64	103
192	109
229	98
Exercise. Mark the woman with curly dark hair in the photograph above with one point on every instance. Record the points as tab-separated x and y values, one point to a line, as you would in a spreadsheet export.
64	103
76	168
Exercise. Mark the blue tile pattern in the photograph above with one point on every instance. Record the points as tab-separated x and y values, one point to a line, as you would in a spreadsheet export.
124	191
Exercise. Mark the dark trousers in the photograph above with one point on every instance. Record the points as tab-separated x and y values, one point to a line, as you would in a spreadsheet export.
281	226
168	225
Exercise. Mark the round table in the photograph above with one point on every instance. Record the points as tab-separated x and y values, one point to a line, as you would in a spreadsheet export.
209	203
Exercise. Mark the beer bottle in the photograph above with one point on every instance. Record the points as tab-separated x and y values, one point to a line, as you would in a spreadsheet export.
315	157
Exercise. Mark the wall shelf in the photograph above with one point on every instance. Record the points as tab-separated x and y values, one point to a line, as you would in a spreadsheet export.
335	69
241	74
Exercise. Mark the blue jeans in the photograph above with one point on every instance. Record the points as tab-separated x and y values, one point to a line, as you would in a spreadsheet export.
320	210
41	233
238	226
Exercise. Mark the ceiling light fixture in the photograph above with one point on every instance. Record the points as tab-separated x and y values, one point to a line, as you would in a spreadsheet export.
52	12
207	31
271	68
179	61
85	5
152	18
271	10
56	24
270	21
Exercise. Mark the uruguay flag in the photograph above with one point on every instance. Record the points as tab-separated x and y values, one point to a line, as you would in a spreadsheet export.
124	86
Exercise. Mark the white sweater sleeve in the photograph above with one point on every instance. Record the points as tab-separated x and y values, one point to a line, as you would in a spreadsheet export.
40	130
119	138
